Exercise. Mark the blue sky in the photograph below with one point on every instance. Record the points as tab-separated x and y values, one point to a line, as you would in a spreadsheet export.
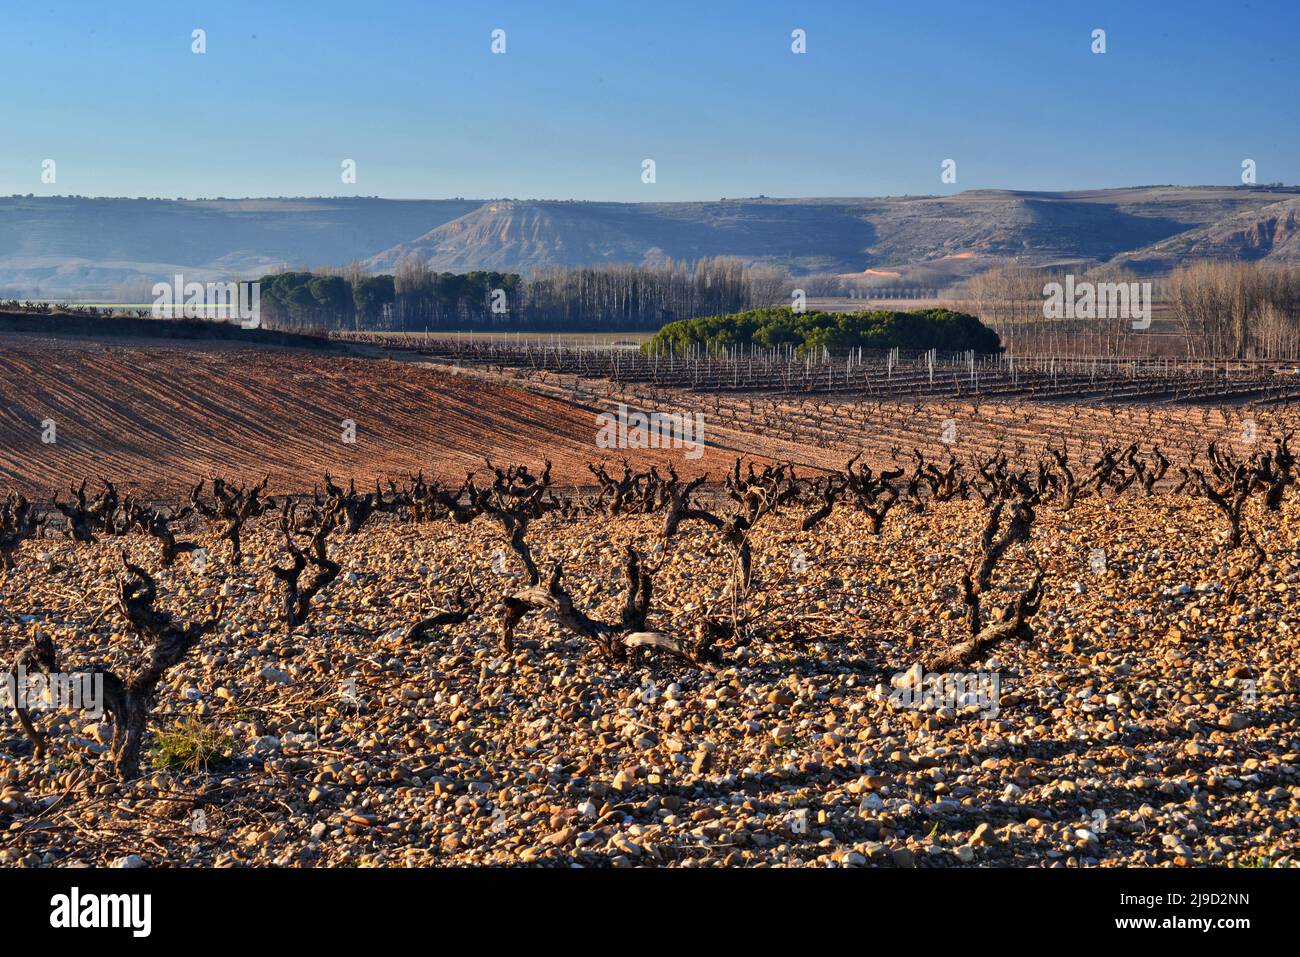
586	90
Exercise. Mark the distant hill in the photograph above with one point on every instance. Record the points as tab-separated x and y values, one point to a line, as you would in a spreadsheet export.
805	235
1270	232
115	249
946	237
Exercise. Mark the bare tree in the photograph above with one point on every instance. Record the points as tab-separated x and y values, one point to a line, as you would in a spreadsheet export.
129	701
1013	621
298	596
18	522
465	602
157	523
231	507
616	641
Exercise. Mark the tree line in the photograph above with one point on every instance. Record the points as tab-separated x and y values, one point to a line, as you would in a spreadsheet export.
1242	310
606	298
812	331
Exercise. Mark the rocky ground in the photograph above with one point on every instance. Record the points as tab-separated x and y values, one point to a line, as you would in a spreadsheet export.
1148	723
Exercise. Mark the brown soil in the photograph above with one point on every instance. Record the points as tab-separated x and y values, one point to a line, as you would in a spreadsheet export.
158	416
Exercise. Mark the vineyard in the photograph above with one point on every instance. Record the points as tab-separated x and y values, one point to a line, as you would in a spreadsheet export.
1061	654
862	375
816	440
154	415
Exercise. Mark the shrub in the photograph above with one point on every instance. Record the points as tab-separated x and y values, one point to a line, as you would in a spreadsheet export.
190	745
813	331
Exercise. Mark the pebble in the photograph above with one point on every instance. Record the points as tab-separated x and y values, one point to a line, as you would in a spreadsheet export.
458	753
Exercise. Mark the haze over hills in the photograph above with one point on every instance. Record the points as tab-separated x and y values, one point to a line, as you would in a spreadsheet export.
116	249
92	249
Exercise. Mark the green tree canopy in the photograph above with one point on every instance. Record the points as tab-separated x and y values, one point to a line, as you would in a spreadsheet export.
371	295
331	292
813	331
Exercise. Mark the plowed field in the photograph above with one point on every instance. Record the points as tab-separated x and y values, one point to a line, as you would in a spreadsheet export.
154	417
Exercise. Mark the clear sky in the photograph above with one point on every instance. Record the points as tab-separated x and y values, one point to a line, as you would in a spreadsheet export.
586	90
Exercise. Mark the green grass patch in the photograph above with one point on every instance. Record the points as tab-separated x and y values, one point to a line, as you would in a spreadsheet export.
190	746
